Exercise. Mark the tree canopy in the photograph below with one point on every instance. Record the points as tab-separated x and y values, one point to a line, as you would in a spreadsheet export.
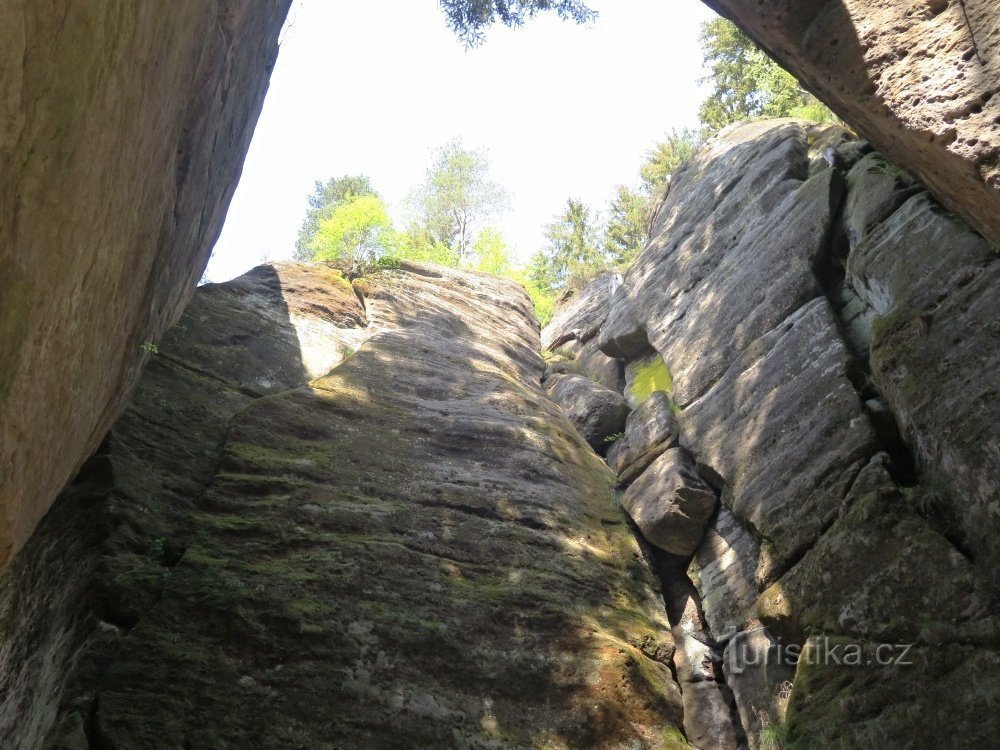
358	229
456	196
469	19
573	253
747	83
626	231
325	198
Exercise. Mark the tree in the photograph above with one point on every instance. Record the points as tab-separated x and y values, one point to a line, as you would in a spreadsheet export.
358	230
747	83
573	255
667	157
470	18
491	253
456	195
325	198
626	232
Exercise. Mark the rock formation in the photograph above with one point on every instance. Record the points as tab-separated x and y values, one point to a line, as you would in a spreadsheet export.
918	79
339	515
123	128
821	343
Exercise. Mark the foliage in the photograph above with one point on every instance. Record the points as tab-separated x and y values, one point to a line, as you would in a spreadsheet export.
456	195
358	230
627	228
667	157
417	244
491	254
324	200
573	254
747	83
470	18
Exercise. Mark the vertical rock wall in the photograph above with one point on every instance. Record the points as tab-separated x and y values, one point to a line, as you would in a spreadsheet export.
123	127
817	346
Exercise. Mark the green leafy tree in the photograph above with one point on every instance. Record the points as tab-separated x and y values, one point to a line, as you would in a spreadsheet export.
747	83
456	196
626	232
470	18
416	243
325	199
573	254
667	157
491	254
358	230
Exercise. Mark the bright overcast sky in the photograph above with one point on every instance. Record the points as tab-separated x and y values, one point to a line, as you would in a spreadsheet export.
373	87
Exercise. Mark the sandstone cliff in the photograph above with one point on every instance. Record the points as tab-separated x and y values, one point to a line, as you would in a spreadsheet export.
333	517
367	513
918	79
812	354
123	127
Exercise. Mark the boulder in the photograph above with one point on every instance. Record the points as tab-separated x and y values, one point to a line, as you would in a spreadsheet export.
915	79
123	128
649	431
591	362
597	412
670	503
579	316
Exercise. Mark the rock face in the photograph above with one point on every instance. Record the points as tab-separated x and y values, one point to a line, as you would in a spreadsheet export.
334	524
595	411
670	503
123	128
916	79
823	339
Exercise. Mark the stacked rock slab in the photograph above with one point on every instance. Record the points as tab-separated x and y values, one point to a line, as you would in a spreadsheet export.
770	286
413	548
123	128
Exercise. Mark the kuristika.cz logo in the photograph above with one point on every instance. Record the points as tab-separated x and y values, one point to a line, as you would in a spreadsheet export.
757	647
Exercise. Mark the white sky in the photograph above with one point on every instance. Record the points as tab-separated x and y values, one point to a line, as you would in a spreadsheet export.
374	86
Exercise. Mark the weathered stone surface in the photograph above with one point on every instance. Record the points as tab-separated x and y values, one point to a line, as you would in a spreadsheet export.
579	317
649	431
708	724
785	430
876	188
413	550
907	583
596	412
760	676
122	131
101	557
591	362
670	503
644	376
916	79
724	571
924	697
934	286
739	208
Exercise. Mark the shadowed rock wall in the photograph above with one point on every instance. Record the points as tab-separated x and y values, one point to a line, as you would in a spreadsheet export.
123	127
